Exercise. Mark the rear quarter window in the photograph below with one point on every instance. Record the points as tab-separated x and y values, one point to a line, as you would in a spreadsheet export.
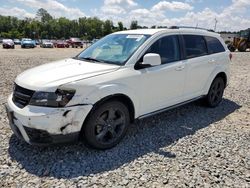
195	46
214	45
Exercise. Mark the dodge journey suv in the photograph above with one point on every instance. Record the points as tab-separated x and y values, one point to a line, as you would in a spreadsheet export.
124	76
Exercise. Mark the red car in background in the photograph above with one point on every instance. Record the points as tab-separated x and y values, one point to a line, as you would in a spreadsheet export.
61	44
75	42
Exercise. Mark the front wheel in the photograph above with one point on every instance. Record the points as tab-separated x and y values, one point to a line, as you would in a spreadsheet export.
106	125
215	94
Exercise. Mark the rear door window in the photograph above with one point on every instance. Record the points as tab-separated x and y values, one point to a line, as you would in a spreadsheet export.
214	45
195	46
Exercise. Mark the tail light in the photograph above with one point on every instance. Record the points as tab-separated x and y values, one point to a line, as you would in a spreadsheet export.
230	56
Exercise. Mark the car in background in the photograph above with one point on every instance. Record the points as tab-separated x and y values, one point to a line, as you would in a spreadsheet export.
61	44
75	42
28	43
17	41
46	44
8	43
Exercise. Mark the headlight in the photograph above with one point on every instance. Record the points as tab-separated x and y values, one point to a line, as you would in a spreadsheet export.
52	99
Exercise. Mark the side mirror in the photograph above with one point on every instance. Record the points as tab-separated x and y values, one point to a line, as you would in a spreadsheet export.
151	59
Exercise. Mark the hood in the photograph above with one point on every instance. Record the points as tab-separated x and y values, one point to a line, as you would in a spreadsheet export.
48	77
9	42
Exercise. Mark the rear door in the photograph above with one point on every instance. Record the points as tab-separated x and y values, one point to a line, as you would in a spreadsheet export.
199	65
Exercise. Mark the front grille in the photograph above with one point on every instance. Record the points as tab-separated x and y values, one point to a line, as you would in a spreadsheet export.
21	96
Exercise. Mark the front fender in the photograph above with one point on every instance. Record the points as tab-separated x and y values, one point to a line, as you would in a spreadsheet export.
106	90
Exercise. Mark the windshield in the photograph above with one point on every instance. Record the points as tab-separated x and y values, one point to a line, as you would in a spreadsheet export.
113	49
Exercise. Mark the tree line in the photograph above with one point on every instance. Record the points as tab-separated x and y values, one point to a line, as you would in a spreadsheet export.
45	26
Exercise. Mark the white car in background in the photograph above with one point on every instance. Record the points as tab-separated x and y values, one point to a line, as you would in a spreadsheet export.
8	43
46	44
124	76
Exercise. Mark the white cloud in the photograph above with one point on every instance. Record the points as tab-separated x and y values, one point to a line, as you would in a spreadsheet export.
114	9
129	3
15	11
173	6
193	1
54	7
230	18
117	7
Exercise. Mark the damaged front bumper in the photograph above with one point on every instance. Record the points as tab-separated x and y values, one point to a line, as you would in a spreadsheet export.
43	125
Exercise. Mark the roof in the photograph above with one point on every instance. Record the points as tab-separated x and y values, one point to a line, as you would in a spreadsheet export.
141	31
179	30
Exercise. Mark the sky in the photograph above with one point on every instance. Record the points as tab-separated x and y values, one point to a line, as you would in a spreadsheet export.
231	15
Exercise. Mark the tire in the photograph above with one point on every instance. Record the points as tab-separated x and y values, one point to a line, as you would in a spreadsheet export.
215	93
106	125
242	47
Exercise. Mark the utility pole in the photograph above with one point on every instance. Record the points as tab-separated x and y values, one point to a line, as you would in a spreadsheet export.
215	24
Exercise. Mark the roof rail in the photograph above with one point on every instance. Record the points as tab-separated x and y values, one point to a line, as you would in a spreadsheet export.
190	27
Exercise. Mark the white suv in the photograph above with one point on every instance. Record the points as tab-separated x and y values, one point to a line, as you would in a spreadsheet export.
124	76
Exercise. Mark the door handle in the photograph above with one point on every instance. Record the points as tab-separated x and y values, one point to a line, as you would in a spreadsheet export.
180	68
211	61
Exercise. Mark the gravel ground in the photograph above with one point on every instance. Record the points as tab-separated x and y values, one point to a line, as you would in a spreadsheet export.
191	146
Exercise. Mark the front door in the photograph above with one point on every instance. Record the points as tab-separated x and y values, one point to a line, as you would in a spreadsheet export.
162	85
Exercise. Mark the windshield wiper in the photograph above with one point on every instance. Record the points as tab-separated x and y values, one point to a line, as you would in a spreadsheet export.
90	59
95	60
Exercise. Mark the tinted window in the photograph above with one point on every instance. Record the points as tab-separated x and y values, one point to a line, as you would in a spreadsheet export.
214	45
167	47
195	46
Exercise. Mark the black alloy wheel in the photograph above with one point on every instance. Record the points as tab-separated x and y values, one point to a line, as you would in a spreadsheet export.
215	94
106	125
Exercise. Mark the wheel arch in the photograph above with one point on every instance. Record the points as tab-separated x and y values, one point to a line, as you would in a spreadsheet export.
121	98
223	76
214	75
114	97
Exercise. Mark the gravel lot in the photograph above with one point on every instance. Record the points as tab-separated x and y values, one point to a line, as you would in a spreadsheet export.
191	146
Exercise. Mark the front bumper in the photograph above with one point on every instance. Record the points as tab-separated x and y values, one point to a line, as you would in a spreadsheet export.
47	46
43	125
7	46
28	45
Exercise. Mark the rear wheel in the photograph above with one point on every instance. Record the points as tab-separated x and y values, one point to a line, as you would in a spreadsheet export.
215	94
106	125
